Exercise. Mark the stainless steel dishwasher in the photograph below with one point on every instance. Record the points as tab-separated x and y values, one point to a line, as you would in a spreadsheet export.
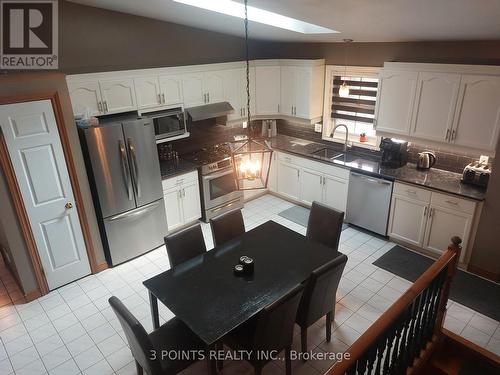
368	202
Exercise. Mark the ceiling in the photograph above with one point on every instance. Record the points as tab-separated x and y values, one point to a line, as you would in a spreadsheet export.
361	20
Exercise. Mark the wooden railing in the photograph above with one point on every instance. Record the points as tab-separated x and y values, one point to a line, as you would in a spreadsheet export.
403	338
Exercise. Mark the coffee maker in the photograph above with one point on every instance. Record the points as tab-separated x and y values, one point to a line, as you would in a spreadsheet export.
394	152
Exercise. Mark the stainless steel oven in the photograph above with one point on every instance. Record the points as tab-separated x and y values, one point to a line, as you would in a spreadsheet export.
167	123
219	190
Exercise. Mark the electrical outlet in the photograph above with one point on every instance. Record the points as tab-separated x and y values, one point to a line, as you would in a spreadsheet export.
244	124
318	128
483	159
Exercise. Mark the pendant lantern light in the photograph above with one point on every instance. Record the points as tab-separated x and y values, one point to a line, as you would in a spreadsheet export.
251	158
344	89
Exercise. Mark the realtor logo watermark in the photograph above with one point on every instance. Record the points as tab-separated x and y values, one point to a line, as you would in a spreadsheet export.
29	34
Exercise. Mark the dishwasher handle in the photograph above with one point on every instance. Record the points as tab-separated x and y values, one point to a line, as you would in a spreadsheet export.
370	179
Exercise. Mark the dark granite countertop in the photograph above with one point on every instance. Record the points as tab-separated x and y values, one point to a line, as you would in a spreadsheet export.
170	168
368	162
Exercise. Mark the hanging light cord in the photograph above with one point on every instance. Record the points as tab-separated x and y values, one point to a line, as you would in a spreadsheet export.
247	69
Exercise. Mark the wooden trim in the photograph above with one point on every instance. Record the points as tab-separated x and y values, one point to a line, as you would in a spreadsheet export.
33	295
459	340
22	215
483	273
6	164
101	267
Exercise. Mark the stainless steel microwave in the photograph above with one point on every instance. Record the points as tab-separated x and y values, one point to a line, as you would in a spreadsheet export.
167	123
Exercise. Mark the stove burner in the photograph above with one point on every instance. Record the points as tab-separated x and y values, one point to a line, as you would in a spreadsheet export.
211	154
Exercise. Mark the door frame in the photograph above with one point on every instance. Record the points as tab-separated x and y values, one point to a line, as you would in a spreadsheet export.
13	186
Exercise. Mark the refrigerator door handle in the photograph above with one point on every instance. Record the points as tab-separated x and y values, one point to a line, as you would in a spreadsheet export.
135	213
125	170
135	169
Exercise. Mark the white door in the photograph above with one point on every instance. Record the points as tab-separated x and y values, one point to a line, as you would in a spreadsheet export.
86	97
118	95
435	105
193	91
267	90
173	207
288	180
233	83
303	92
288	87
311	186
191	202
147	90
444	224
214	86
37	156
395	97
407	220
273	173
477	119
335	192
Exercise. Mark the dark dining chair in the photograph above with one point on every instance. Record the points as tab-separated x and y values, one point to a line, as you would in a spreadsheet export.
271	331
172	336
318	298
185	244
227	226
325	225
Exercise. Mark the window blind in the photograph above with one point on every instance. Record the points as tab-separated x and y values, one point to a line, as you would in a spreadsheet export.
359	106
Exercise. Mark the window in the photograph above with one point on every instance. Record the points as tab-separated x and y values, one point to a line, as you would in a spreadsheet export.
357	110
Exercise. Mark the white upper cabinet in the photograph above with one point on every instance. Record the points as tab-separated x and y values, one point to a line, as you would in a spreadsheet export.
477	117
302	91
214	86
395	98
118	95
86	96
435	105
193	90
171	89
147	90
267	87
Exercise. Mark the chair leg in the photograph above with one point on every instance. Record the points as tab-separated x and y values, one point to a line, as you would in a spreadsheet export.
139	368
303	340
328	326
288	361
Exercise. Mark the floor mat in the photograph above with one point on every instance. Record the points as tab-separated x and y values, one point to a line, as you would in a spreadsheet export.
467	289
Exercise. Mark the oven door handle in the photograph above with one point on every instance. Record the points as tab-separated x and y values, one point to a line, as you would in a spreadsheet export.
218	174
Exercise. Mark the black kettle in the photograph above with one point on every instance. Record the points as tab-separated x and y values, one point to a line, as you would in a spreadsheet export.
426	160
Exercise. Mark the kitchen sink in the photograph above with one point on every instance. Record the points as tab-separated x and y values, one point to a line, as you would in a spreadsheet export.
329	153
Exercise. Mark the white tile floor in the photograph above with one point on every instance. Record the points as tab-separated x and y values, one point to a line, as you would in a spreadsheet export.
72	330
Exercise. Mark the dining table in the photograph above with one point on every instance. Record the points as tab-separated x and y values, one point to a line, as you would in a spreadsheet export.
211	300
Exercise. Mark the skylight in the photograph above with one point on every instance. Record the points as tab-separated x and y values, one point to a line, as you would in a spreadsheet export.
235	9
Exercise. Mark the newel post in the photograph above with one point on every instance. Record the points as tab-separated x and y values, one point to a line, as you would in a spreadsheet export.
456	248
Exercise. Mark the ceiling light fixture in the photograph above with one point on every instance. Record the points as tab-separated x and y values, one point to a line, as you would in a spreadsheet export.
235	9
344	89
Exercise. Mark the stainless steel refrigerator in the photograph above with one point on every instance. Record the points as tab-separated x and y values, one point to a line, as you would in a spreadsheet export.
123	168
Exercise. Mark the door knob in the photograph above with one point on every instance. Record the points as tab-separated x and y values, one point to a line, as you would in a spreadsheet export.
68	205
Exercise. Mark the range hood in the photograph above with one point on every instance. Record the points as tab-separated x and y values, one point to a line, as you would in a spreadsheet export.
207	111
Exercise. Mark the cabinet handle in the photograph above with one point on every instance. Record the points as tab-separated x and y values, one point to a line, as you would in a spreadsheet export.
374	123
278	107
99	106
298	173
208	97
105	106
159	98
425	211
453	135
413	192
447	134
321	180
292	110
431	211
452	202
163	98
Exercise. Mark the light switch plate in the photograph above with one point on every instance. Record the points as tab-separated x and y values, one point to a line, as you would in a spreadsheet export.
318	128
483	159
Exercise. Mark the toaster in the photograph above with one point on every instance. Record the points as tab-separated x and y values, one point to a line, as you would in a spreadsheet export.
477	173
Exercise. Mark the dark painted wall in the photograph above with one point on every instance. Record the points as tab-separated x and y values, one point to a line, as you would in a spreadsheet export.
93	39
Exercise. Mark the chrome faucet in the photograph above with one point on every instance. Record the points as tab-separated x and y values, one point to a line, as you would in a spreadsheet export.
346	134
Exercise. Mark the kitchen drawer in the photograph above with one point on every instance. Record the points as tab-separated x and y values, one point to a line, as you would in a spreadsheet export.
317	166
453	202
412	192
181	179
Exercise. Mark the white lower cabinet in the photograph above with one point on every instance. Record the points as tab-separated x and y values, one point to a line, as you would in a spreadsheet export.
428	219
306	181
182	199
